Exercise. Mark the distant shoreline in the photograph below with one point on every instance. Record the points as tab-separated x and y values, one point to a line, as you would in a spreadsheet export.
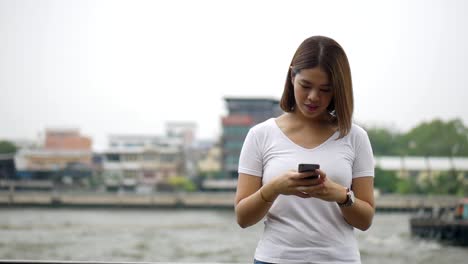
99	200
185	200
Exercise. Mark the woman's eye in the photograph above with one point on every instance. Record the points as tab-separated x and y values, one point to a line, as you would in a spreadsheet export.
325	89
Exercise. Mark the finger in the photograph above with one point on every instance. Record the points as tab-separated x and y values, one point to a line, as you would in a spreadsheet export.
299	175
314	189
307	174
303	189
311	190
322	174
302	194
306	182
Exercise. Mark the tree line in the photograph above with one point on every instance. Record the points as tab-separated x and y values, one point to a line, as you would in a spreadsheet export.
436	138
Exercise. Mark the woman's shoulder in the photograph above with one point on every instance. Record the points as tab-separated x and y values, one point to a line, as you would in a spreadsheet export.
358	130
264	126
357	134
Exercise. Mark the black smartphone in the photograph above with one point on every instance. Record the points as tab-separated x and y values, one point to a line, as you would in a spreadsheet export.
304	167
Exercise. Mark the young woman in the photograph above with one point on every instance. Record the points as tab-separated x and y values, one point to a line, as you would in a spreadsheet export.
309	220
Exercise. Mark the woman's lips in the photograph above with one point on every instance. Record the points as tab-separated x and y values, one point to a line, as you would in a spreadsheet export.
312	108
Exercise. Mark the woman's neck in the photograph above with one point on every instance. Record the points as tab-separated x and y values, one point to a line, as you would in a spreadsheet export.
301	122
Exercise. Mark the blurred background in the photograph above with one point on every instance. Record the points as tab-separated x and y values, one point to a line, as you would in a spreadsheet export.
121	122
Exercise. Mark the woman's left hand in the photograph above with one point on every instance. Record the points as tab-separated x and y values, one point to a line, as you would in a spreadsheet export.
327	190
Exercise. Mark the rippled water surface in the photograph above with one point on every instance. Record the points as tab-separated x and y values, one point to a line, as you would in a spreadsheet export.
183	236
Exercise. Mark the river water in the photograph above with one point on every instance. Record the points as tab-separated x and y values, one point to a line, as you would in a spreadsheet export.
196	236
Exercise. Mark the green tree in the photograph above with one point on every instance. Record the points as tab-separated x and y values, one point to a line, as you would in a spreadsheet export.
436	138
181	183
7	147
404	187
408	186
385	181
447	183
464	189
210	175
383	141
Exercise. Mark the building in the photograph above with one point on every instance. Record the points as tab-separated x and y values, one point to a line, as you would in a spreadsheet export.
423	167
7	167
184	133
141	160
259	109
64	158
49	160
243	113
235	128
209	159
66	139
62	148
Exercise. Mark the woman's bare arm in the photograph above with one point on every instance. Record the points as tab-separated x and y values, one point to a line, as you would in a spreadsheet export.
252	200
361	213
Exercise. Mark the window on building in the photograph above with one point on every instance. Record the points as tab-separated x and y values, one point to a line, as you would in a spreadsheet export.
232	160
131	157
130	174
234	145
167	158
150	157
134	144
149	174
113	157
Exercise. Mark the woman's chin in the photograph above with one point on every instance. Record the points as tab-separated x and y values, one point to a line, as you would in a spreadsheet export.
312	114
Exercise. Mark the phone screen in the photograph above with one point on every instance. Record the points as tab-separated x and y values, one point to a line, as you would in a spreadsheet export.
304	167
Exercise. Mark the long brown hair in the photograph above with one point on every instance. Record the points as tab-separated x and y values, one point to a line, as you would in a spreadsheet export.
324	52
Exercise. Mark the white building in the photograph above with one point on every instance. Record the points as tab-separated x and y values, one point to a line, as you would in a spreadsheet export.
141	160
423	166
184	132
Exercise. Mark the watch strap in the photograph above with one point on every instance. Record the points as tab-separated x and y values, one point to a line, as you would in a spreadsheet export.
349	201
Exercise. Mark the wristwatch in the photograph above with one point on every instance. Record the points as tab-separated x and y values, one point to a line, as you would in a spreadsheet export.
349	199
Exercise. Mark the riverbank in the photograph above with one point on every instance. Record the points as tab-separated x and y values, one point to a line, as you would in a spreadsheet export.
219	200
118	200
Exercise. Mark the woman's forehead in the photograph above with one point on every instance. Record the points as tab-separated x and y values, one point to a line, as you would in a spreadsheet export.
313	75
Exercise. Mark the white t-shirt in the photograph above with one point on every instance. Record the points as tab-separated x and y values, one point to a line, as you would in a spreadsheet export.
310	230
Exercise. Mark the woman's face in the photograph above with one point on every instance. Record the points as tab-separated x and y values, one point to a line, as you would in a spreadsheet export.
312	92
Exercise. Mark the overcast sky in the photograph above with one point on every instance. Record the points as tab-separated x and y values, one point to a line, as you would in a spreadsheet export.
110	67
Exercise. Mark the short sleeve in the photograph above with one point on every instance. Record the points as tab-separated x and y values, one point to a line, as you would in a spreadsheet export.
250	160
364	158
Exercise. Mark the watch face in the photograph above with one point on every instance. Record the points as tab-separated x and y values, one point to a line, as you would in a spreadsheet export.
351	198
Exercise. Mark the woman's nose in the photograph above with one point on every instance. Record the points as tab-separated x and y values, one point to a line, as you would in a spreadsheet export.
313	95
